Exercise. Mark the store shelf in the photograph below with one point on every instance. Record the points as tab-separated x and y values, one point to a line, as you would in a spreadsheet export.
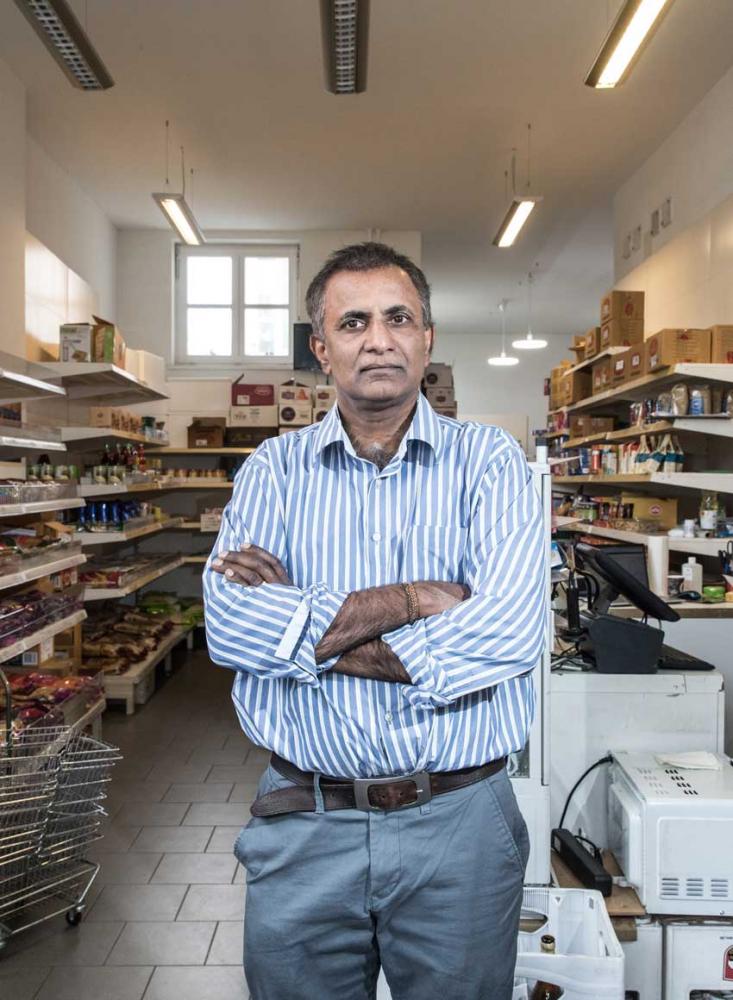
39	507
123	686
589	362
29	439
196	526
195	560
111	537
109	385
110	593
16	386
639	388
554	434
92	491
200	484
88	717
94	437
62	625
38	572
718	426
212	452
601	480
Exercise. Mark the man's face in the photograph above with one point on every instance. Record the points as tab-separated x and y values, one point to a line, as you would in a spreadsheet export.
375	345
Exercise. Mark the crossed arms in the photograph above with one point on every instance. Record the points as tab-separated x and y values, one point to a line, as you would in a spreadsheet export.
261	623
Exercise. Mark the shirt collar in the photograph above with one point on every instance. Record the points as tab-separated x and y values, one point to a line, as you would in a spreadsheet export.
425	427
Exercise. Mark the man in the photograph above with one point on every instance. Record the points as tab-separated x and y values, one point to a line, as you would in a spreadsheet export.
378	587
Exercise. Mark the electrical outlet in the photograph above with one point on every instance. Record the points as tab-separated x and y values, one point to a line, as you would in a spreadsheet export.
654	227
666	212
626	246
636	239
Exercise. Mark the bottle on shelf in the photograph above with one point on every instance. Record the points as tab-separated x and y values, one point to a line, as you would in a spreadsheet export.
709	511
692	575
544	990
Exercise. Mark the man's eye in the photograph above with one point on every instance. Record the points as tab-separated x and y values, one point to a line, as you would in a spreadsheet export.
400	319
352	324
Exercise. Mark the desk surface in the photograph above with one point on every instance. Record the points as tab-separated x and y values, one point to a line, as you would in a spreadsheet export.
622	903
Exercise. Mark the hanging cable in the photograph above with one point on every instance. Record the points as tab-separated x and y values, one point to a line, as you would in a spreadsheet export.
167	153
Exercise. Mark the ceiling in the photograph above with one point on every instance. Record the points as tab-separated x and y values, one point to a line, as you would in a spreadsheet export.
451	86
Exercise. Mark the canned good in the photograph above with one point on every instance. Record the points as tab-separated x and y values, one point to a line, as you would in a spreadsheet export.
595	461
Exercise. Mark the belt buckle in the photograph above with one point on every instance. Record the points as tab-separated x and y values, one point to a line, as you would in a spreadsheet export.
421	780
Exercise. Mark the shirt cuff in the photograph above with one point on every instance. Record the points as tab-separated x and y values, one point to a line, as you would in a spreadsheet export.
310	621
429	681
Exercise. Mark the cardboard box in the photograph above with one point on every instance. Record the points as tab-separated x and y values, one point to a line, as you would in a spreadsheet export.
438	374
252	393
287	430
247	437
296	414
663	511
447	411
676	347
576	386
601	375
636	363
592	342
109	344
721	345
106	416
207	432
324	395
253	416
626	305
620	367
76	342
619	332
39	655
440	395
295	393
583	425
319	414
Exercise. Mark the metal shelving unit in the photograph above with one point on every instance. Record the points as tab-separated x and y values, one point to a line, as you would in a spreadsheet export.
22	645
43	569
39	507
92	437
90	538
110	385
110	593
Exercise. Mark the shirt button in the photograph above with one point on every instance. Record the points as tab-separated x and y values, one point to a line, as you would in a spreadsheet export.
376	537
387	716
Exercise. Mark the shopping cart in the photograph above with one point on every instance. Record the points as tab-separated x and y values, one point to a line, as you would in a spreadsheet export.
52	785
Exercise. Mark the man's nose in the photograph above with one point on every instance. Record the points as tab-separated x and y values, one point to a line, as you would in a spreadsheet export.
378	336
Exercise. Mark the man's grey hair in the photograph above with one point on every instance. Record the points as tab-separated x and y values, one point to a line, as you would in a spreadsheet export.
363	257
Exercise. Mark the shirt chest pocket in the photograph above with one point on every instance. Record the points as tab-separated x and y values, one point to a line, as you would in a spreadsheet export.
434	552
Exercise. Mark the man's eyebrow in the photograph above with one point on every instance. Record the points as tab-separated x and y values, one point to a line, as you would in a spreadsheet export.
393	310
354	314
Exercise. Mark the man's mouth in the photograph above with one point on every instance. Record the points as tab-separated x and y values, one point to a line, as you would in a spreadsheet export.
382	368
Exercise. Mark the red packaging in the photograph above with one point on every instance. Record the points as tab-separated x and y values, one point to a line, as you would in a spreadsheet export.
252	393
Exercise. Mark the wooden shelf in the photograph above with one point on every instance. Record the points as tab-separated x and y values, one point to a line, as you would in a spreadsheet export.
93	437
639	388
196	526
110	385
62	625
39	507
201	484
195	560
112	537
718	482
215	452
44	569
110	593
555	434
602	480
122	686
29	439
588	362
92	491
718	426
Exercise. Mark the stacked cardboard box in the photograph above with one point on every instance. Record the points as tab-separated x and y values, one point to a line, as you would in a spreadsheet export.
99	341
622	319
324	399
557	384
115	418
295	405
438	388
675	347
252	414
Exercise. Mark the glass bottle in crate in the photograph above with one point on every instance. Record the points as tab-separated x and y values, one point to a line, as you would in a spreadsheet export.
543	990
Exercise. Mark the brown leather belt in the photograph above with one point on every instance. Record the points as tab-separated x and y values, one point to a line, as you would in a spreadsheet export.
368	794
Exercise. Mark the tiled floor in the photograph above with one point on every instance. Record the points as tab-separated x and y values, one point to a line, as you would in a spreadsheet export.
165	920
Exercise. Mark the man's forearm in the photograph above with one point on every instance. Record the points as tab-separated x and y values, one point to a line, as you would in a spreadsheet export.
364	615
374	661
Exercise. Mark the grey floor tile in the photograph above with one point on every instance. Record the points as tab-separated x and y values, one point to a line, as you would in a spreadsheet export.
54	943
233	773
213	869
137	791
238	739
227	948
240	876
137	902
180	773
21	984
213	902
204	792
96	983
204	741
172	838
152	814
211	982
244	791
127	869
233	757
220	814
115	838
222	840
163	944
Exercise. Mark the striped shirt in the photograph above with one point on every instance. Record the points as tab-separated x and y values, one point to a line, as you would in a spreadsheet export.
456	503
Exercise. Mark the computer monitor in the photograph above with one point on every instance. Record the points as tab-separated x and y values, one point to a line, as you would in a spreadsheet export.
621	569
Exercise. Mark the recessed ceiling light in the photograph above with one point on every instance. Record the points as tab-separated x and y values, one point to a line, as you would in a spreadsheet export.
630	32
58	28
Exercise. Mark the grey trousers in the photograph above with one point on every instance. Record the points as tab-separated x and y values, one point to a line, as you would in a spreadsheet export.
432	894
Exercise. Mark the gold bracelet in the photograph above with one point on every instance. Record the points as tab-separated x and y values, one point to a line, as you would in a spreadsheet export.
413	604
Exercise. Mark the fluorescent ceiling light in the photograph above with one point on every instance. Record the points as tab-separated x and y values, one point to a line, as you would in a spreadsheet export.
176	210
631	31
58	28
345	30
517	214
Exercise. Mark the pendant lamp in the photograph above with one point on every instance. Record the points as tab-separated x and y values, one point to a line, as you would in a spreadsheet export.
530	342
503	360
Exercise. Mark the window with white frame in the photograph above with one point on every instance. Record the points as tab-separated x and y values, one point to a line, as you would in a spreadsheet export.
235	304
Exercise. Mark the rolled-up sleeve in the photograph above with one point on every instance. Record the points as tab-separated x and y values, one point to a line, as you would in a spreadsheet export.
498	633
272	630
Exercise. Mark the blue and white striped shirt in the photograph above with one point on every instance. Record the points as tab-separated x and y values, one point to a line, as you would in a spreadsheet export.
456	503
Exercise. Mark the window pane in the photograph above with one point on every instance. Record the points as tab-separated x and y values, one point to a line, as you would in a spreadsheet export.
267	332
209	332
266	281
209	281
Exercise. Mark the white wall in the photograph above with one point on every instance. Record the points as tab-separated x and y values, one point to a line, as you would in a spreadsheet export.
71	224
12	212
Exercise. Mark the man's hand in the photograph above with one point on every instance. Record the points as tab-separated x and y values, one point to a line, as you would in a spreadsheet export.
435	596
373	660
251	566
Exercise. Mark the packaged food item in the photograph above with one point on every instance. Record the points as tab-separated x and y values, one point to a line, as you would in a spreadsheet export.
680	401
700	400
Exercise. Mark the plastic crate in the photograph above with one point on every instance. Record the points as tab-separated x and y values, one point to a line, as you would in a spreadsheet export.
589	961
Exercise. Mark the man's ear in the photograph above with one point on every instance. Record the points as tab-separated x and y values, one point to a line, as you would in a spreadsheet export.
431	341
318	347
